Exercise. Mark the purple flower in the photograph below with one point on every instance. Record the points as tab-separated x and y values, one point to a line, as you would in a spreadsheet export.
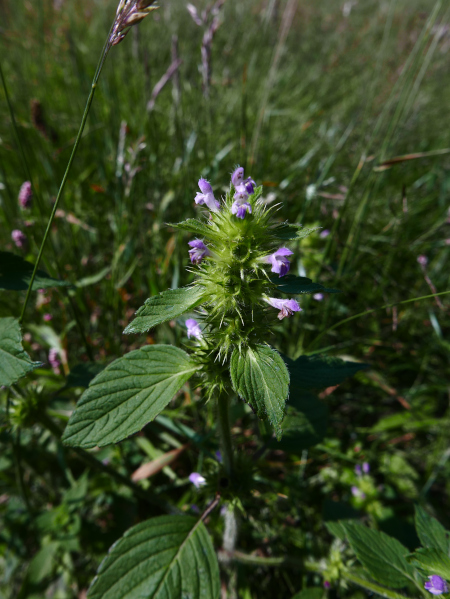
326	584
280	264
53	360
193	328
197	479
436	585
366	467
25	195
198	252
206	196
19	238
286	306
358	493
318	297
238	176
218	455
358	470
324	233
422	260
240	205
48	317
249	185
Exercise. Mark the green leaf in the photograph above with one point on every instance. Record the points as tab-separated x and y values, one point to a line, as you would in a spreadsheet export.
165	306
286	231
127	395
15	275
43	563
383	556
294	285
15	363
430	532
312	593
317	372
304	425
432	561
195	226
82	374
260	377
169	557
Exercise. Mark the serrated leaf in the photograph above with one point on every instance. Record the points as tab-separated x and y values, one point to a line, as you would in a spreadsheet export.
165	306
295	285
317	372
260	377
15	275
127	395
286	231
432	561
196	227
304	425
169	557
431	532
312	593
15	363
383	556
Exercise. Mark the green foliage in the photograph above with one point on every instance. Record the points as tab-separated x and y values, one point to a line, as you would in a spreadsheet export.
287	231
15	363
297	285
382	556
311	593
304	425
127	395
165	306
192	225
431	533
169	556
316	372
260	377
15	275
432	561
82	374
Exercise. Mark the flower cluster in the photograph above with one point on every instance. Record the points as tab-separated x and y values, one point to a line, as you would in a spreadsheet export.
240	204
25	195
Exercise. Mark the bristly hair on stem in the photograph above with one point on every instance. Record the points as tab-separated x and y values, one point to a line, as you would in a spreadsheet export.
129	13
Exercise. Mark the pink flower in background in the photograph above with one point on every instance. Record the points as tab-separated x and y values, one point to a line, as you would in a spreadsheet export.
19	238
53	360
193	328
318	297
324	233
48	317
25	195
422	260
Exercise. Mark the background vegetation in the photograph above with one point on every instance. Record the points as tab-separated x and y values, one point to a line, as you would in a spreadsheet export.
313	99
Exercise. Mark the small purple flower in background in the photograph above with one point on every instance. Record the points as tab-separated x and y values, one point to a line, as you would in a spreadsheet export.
240	206
218	455
318	297
358	493
287	307
238	176
25	195
366	467
207	196
280	264
436	585
48	317
53	360
326	584
324	233
358	470
198	252
19	238
197	479
193	328
422	260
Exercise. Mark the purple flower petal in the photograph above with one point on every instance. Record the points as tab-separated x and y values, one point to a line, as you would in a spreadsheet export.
25	195
286	306
193	328
240	207
205	186
324	233
197	479
436	585
198	252
358	469
238	176
366	467
280	264
206	196
19	238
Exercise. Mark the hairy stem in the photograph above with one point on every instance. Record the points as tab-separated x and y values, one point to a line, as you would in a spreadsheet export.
99	68
225	433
